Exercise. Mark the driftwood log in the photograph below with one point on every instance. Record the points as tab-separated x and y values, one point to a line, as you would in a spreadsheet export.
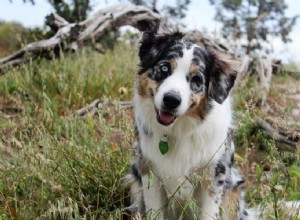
71	35
284	135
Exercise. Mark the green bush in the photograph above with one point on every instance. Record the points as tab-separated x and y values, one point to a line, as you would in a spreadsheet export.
14	35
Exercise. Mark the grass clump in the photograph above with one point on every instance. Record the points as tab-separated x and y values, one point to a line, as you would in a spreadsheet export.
55	165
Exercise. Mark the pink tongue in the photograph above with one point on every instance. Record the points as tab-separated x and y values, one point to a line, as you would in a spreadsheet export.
166	117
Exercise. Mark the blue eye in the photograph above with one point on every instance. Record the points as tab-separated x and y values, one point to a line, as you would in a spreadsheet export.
161	72
164	68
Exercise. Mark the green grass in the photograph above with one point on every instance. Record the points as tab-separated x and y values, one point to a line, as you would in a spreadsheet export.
56	165
273	174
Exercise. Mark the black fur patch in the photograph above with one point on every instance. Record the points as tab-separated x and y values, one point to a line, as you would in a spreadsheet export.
136	171
221	77
155	47
147	131
231	160
220	169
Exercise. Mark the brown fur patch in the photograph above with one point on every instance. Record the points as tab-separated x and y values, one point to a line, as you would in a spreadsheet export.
173	64
199	107
144	167
230	204
145	86
194	69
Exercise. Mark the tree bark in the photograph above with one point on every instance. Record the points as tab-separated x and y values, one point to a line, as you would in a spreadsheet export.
71	35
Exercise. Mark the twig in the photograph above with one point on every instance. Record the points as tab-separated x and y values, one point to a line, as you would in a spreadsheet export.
94	107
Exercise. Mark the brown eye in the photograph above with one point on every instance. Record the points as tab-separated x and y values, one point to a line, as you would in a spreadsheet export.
197	84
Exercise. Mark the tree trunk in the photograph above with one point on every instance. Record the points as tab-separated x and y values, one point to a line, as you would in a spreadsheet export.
286	136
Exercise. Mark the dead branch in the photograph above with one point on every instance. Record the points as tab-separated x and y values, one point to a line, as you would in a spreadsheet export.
283	135
70	35
10	109
94	107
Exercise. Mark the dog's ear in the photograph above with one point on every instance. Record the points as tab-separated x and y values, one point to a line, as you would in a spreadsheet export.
153	45
221	75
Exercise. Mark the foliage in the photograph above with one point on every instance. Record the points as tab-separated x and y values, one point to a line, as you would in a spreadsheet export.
74	11
254	19
173	13
13	35
272	173
10	36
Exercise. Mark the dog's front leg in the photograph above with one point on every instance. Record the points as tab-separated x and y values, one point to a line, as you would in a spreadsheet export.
154	196
209	205
209	197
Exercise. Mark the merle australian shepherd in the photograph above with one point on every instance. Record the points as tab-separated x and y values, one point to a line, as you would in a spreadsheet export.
184	163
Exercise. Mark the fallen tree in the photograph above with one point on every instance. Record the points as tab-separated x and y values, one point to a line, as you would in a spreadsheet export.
285	135
70	36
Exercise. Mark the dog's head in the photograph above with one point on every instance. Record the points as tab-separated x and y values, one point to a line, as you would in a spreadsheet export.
180	77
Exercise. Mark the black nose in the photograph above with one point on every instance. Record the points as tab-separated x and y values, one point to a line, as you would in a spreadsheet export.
171	100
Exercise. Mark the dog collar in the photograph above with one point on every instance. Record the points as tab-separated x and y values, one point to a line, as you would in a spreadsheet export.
163	144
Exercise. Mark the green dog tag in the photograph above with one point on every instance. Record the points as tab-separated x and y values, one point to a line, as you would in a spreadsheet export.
163	147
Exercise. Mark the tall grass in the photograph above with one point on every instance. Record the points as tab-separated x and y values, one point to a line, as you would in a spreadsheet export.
55	165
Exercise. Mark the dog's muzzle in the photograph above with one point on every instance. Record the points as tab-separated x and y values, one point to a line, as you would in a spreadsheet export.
171	101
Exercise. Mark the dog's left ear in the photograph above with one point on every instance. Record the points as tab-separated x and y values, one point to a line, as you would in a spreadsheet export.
222	76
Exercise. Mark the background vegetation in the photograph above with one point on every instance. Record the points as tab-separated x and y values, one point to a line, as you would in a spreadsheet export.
56	165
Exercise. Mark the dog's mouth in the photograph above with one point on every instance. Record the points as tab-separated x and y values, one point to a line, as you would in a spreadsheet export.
165	118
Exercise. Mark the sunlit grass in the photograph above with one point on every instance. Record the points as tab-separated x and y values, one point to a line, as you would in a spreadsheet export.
55	165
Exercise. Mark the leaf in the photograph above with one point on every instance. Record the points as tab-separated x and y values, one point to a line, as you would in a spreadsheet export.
258	172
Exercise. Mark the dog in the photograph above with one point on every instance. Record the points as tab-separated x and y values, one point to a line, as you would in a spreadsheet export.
183	168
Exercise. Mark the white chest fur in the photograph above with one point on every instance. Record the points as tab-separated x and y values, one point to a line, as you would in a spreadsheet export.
193	144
